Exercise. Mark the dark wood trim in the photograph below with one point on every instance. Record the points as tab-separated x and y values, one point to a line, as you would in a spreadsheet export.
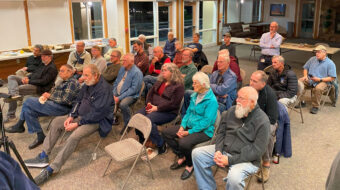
317	19
218	23
297	11
29	41
126	29
177	19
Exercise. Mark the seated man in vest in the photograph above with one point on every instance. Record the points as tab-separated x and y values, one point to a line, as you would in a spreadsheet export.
40	81
33	62
78	59
241	140
92	112
58	102
283	81
127	86
318	73
111	72
267	101
223	83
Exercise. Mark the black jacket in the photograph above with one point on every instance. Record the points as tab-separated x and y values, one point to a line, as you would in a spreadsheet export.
33	63
285	84
44	77
268	103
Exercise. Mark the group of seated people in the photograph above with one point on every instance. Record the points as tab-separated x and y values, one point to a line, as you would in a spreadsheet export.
86	90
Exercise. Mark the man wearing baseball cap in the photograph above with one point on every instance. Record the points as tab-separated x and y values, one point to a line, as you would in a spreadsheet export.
227	45
318	72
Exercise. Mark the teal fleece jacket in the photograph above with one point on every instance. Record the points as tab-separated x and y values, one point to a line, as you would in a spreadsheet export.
201	117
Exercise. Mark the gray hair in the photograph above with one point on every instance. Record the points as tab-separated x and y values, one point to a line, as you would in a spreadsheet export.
225	58
251	92
117	52
263	75
69	67
113	39
93	68
224	52
176	75
142	36
202	78
190	50
40	47
130	56
279	58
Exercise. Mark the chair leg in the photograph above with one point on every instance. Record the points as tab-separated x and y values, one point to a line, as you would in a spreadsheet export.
149	163
94	154
49	124
301	113
107	167
262	176
133	166
249	182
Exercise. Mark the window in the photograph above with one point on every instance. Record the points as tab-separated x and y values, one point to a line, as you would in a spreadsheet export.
87	20
141	19
247	11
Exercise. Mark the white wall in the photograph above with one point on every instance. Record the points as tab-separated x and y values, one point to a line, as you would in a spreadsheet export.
49	22
13	32
116	21
233	12
282	21
247	11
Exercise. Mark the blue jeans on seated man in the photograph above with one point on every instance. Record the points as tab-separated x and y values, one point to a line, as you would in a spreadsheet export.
32	109
124	106
156	118
149	81
203	159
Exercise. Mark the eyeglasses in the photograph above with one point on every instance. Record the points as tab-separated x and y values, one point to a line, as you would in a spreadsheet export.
114	56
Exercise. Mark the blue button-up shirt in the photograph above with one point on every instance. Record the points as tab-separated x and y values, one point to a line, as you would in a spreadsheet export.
320	68
266	42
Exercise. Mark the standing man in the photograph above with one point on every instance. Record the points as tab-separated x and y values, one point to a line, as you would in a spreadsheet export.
283	81
141	58
240	142
40	81
113	46
188	69
268	103
33	62
111	72
97	58
169	48
318	73
270	44
92	112
58	102
79	58
127	87
227	45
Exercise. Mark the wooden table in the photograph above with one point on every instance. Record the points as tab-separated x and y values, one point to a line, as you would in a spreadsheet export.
287	46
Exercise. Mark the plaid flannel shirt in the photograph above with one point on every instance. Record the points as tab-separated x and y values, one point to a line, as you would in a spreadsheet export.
66	92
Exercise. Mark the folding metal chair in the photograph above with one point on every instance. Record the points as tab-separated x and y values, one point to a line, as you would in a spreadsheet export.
207	69
129	148
301	88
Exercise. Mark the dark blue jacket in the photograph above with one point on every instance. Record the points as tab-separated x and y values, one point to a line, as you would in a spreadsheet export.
283	144
94	104
11	176
169	48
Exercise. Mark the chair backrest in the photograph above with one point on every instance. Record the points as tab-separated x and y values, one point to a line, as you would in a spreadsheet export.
301	87
141	89
216	126
207	69
268	69
142	123
180	108
243	74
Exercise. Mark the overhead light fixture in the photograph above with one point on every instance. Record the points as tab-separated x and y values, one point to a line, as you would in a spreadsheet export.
89	4
242	1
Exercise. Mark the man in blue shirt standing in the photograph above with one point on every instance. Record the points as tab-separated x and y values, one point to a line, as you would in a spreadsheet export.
318	72
270	44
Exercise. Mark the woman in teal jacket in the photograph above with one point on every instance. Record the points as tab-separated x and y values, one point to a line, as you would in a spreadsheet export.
197	125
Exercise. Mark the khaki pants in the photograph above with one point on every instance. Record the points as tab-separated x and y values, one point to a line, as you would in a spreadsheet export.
57	129
317	92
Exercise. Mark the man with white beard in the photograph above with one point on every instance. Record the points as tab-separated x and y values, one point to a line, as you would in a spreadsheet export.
241	140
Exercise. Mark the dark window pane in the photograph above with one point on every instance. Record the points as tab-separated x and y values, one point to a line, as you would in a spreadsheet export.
163	24
141	18
80	21
96	20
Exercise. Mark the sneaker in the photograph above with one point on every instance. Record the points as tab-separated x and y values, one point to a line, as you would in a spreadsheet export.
10	119
265	171
303	104
42	177
37	162
151	154
314	110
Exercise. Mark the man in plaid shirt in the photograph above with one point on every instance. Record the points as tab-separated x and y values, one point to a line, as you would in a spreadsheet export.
57	103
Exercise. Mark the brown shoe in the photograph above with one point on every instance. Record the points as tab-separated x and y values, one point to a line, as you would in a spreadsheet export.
265	171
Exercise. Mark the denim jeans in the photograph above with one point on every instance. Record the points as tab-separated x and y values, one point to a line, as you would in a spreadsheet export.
149	81
203	159
32	109
16	87
156	118
124	106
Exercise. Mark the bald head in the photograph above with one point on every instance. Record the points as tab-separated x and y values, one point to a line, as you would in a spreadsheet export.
273	27
246	101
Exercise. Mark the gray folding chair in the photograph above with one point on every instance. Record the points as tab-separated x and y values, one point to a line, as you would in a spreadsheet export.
291	107
129	148
207	69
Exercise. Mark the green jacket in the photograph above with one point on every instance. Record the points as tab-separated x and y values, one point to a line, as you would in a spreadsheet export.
201	117
189	71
